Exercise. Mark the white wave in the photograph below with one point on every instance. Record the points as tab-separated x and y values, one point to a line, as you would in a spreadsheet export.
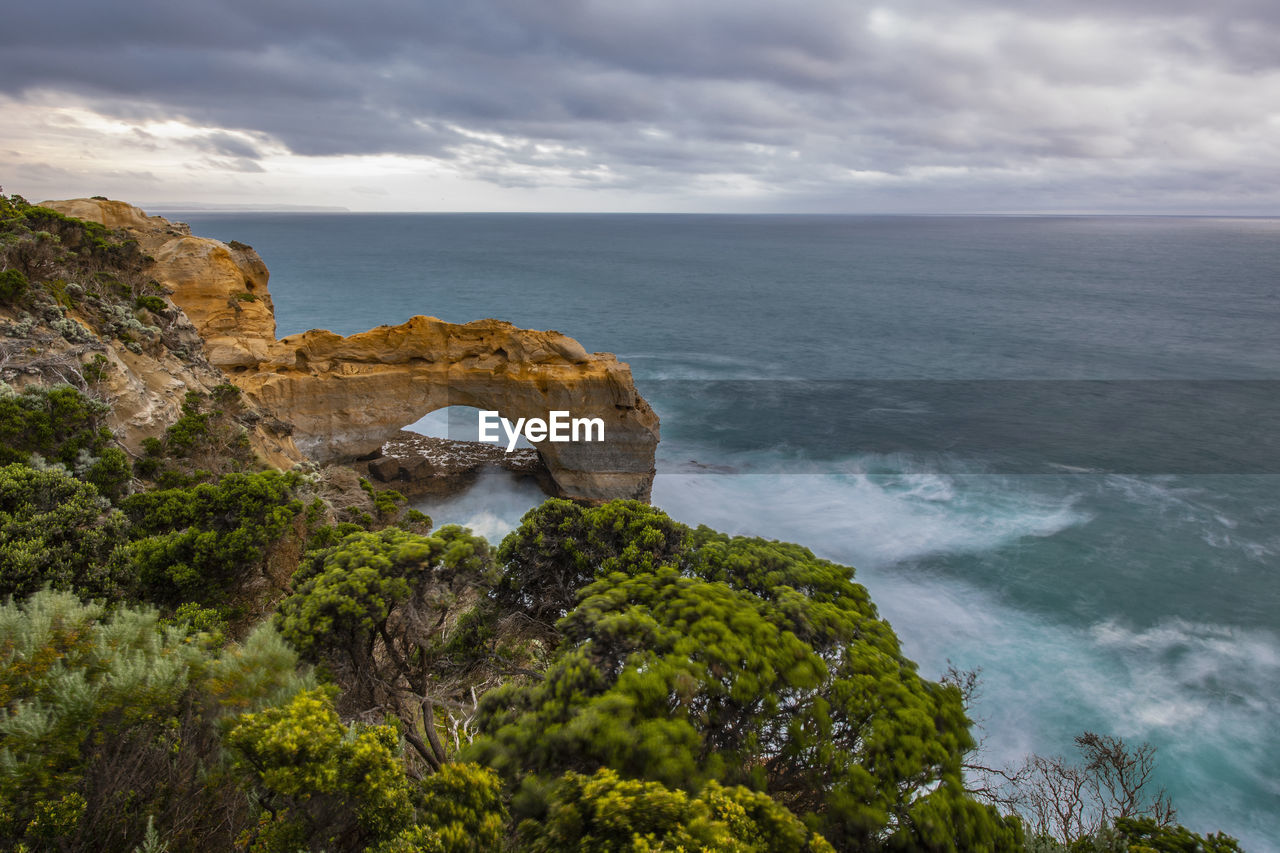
1181	672
491	507
1181	502
867	520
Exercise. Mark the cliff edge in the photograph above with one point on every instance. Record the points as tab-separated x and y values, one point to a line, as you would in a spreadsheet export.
346	396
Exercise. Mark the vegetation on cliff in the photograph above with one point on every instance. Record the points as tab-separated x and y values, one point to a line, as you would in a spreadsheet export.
70	284
199	654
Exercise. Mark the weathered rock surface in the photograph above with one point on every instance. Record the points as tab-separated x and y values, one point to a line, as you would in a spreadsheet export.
418	465
346	396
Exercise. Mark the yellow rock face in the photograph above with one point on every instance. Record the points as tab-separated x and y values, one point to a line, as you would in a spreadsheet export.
346	396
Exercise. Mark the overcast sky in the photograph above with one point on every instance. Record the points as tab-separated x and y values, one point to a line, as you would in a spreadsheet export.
647	105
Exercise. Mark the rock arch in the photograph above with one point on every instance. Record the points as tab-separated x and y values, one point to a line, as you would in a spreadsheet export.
345	396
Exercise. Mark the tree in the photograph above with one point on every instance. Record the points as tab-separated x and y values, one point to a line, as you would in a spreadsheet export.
1146	835
1068	802
463	806
388	613
107	719
62	425
324	785
604	813
55	530
561	547
740	661
199	543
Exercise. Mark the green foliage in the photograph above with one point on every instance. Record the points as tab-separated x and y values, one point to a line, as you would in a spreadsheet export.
381	609
208	441
13	284
560	547
38	241
106	720
95	369
1144	835
604	812
741	661
1138	835
153	304
207	622
56	530
62	425
326	785
329	535
415	520
463	805
387	502
199	543
225	393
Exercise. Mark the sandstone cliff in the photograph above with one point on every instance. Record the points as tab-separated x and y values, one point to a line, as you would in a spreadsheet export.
346	396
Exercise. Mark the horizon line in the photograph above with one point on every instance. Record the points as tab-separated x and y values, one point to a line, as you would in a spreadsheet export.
303	209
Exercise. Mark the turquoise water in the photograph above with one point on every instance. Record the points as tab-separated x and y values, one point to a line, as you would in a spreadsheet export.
1049	445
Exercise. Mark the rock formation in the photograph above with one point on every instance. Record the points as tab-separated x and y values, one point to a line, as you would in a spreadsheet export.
346	396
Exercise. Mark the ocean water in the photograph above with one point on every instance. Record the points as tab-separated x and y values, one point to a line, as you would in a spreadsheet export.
1049	445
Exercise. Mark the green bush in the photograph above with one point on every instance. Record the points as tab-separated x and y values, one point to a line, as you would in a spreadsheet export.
13	283
63	425
699	657
1144	835
107	720
604	813
561	547
380	611
200	543
95	369
56	530
153	304
323	784
206	442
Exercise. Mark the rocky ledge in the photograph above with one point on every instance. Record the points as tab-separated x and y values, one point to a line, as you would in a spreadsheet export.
346	397
421	466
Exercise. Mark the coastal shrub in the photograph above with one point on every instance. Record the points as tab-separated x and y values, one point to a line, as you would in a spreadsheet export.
322	785
560	547
91	244
381	610
387	503
604	812
1135	835
700	657
45	244
200	543
111	722
61	424
13	283
1142	835
56	530
206	442
94	371
153	304
464	806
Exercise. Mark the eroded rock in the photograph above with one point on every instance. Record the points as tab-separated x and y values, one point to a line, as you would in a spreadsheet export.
345	397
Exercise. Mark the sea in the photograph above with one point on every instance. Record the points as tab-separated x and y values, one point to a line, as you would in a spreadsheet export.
1049	445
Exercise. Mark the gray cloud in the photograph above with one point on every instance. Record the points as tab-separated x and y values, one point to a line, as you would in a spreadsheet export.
983	104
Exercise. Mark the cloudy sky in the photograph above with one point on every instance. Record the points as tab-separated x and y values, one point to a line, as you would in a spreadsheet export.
667	105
